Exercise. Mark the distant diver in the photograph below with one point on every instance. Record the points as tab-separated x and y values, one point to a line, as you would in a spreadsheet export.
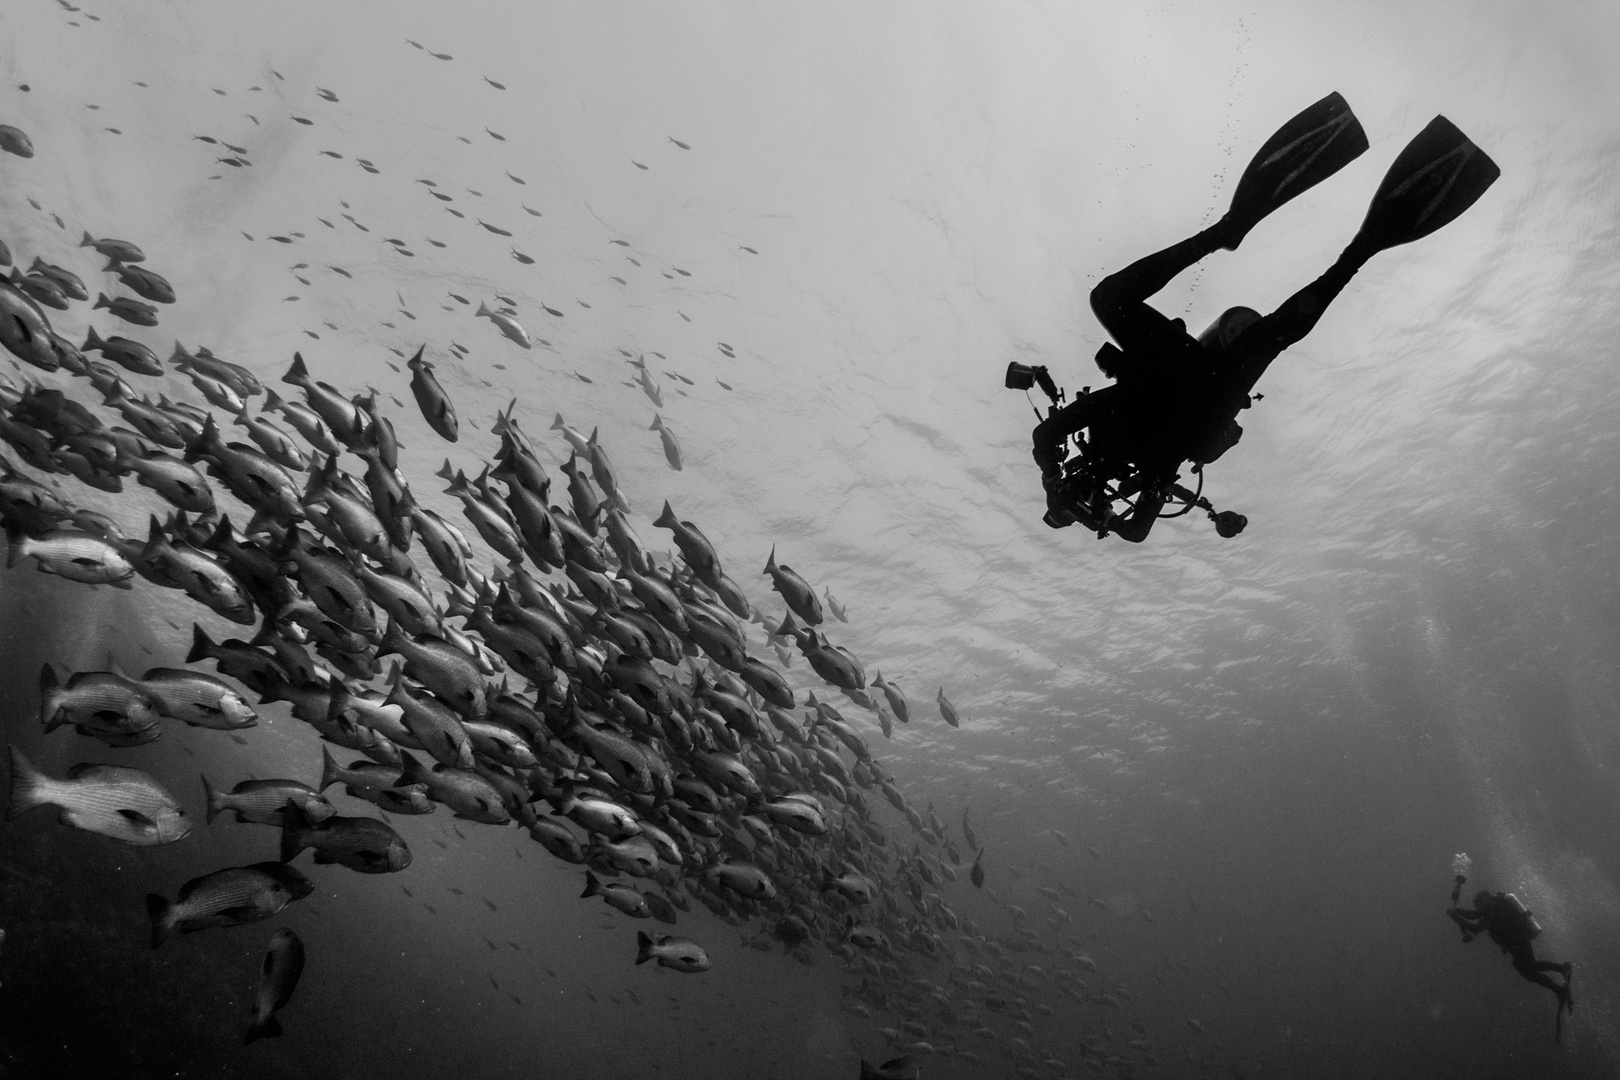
1175	398
1511	925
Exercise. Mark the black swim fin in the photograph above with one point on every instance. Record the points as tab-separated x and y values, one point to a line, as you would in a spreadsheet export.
1305	151
1435	178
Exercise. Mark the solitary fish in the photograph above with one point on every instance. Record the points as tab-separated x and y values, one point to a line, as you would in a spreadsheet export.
976	875
15	141
672	449
947	710
278	978
678	953
125	804
508	324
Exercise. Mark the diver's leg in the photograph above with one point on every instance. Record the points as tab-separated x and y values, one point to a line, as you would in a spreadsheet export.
1525	963
1120	299
1261	343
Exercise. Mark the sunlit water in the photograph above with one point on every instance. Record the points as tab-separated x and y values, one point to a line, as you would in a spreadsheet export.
1260	753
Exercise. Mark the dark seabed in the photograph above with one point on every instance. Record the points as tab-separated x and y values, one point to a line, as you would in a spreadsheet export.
1218	783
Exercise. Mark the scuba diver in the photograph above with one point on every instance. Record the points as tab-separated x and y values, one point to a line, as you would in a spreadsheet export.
1175	397
1509	923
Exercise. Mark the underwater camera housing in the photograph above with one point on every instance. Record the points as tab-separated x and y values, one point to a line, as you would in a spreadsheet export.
1024	376
1229	523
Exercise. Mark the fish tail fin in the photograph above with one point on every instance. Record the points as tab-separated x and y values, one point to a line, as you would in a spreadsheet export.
666	519
202	646
298	373
446	472
27	784
339	704
92	341
213	797
644	946
16	545
330	770
161	912
416	361
657	424
88	241
770	563
268	1028
593	887
49	687
294	829
559	423
101	302
272	400
483	309
412	770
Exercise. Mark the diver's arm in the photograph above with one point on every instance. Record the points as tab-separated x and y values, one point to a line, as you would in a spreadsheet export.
1471	922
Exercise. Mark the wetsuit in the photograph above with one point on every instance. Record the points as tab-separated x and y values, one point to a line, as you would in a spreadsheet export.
1510	929
1173	399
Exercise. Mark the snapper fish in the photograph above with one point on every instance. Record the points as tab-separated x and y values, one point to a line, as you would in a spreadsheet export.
77	556
138	279
672	448
794	589
278	978
122	250
24	329
102	703
199	699
125	804
947	710
264	802
126	353
66	280
677	953
619	897
437	408
896	698
15	141
360	843
229	897
508	324
131	311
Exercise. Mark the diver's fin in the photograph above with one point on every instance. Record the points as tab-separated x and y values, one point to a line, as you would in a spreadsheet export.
1305	151
1440	174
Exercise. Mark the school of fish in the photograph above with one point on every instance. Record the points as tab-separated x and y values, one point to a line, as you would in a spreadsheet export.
544	669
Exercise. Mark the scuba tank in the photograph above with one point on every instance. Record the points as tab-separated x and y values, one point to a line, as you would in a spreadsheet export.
1524	913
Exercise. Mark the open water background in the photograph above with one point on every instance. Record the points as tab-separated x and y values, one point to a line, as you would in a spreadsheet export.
1274	744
